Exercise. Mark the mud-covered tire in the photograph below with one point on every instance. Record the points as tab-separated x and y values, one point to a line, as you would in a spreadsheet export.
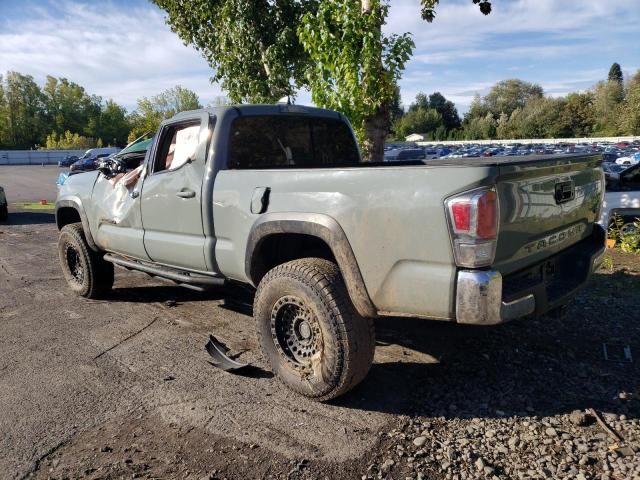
4	213
85	271
334	350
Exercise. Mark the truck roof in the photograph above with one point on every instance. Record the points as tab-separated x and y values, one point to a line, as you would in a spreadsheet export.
275	109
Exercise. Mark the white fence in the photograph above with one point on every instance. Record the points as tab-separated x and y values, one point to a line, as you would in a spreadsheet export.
523	141
35	157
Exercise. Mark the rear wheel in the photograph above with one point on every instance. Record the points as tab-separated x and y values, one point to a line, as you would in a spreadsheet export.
4	213
85	271
316	342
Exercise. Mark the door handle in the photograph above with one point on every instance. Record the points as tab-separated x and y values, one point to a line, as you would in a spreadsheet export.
184	193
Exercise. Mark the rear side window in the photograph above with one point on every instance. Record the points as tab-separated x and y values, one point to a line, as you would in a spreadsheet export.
281	141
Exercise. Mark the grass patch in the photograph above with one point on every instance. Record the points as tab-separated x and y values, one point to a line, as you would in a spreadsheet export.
34	206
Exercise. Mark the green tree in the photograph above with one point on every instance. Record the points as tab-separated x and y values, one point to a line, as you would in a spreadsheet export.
421	103
480	128
220	100
395	109
150	112
447	109
615	73
252	46
436	127
69	107
476	109
507	95
263	50
630	118
608	100
4	118
355	67
114	125
24	107
578	116
503	128
418	121
69	141
175	100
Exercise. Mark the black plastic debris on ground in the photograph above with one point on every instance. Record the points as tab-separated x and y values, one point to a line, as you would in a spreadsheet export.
220	355
221	359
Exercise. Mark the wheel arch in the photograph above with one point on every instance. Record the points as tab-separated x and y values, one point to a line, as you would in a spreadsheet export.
308	234
70	211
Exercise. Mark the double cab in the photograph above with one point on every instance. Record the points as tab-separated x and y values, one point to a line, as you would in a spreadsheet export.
277	197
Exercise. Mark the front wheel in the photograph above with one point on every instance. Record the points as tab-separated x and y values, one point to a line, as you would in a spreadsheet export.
309	331
4	213
85	271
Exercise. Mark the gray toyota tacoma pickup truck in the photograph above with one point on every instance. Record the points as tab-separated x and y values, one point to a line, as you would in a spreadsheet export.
278	198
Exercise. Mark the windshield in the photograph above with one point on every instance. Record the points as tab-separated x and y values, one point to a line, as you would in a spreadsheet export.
87	154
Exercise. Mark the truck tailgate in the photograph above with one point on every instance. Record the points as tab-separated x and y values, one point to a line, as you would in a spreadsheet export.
546	205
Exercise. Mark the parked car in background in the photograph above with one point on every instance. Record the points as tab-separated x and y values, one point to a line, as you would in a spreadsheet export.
632	160
88	161
405	154
612	171
99	152
622	199
87	164
610	155
68	161
4	207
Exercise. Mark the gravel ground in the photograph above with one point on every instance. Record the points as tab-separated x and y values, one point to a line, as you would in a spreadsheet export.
122	389
539	400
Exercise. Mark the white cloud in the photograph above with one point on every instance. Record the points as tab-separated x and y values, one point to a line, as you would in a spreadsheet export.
116	53
126	52
556	43
460	24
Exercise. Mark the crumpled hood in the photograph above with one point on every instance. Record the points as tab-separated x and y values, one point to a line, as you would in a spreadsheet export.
77	185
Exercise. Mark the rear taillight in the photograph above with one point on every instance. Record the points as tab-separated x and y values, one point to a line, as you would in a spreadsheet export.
473	220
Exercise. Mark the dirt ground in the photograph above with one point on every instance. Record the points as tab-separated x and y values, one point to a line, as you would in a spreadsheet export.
123	388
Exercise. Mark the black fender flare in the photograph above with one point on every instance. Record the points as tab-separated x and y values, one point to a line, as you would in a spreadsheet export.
326	229
77	206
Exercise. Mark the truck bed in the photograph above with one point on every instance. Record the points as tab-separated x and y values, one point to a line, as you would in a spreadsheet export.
508	160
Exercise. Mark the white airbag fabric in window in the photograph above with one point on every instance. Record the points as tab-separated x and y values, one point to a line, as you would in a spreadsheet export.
186	145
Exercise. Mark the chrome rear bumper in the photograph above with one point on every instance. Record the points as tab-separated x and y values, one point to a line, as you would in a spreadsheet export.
479	300
479	293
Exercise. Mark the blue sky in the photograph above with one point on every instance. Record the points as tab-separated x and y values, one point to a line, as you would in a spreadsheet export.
124	50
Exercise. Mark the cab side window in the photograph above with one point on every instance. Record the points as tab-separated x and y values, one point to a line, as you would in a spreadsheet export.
178	146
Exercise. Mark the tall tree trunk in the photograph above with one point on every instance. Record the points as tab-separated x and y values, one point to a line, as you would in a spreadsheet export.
376	127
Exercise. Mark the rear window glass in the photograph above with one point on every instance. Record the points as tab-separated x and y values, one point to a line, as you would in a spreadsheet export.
279	141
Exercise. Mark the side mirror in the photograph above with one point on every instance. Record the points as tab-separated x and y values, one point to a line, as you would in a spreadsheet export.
105	169
111	167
